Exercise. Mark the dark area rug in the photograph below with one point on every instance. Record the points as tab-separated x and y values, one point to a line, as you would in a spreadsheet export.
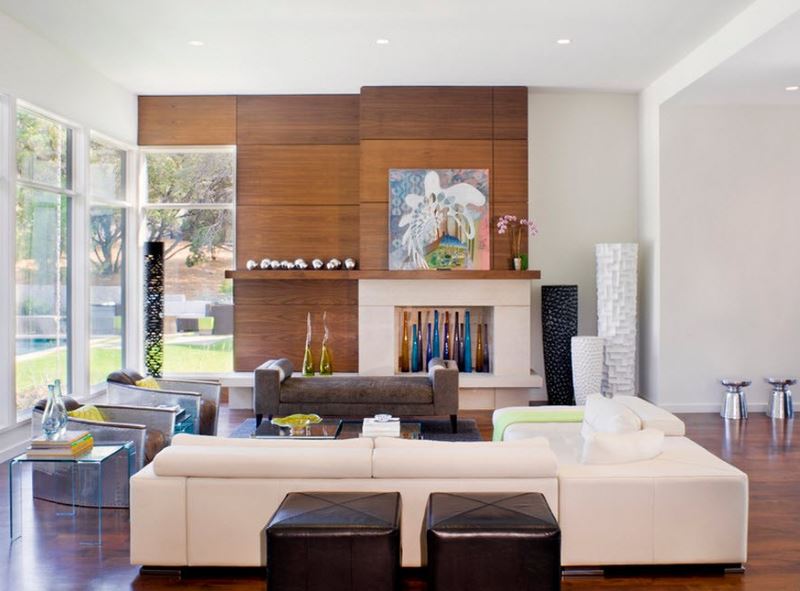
433	429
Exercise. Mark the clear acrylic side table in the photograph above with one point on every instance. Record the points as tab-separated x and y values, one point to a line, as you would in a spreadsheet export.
97	458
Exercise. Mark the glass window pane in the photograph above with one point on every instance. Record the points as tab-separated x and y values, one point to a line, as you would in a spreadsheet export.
106	171
42	275
190	177
198	308
107	292
44	150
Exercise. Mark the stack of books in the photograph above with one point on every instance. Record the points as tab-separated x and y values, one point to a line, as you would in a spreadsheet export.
69	445
381	428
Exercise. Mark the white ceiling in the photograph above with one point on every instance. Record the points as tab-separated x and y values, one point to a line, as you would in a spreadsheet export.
757	75
306	46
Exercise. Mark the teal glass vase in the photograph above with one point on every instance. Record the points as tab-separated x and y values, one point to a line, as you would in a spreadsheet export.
54	419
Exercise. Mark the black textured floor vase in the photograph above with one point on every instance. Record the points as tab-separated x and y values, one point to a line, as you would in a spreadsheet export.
154	307
559	325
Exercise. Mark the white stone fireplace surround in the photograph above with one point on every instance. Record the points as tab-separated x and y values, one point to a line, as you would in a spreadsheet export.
511	378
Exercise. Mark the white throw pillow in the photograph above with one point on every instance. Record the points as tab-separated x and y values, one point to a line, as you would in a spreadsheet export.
622	448
606	415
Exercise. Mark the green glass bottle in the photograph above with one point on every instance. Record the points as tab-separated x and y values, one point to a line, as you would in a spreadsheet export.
325	357
308	358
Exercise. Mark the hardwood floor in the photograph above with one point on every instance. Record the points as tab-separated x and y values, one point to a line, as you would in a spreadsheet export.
48	558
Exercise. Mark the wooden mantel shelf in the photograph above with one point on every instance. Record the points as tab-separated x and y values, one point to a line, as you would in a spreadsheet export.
259	275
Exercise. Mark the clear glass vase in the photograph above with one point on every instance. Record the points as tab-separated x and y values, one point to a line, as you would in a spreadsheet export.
54	419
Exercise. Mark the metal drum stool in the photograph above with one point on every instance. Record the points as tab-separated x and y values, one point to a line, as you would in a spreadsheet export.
735	405
780	403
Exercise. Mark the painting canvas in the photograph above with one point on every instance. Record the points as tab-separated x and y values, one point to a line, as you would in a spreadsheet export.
439	219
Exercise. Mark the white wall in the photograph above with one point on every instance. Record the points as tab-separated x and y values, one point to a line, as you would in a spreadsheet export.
33	69
730	204
583	187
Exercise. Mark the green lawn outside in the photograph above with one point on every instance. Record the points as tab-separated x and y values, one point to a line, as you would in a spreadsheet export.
33	374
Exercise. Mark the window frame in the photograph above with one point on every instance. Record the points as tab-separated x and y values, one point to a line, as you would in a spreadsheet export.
81	203
75	334
143	205
131	283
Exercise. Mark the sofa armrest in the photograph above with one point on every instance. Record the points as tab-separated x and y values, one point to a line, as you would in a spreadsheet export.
444	382
266	389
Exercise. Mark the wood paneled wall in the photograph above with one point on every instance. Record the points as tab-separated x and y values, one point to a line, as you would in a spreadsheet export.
442	127
297	196
312	181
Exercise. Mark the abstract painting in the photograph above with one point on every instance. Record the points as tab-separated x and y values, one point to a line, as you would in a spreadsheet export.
439	219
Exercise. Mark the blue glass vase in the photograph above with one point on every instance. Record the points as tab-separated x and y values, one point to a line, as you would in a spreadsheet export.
414	349
428	348
436	333
446	345
467	345
458	349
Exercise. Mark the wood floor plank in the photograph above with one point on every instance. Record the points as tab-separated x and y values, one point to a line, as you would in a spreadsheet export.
48	557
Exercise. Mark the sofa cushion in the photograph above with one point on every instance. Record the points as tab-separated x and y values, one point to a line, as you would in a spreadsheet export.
420	444
621	448
213	441
192	461
606	415
652	416
408	458
363	389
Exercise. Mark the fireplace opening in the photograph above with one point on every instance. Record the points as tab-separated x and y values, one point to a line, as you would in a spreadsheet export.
464	335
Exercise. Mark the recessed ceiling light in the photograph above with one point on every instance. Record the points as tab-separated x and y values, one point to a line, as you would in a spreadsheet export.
564	41
382	41
792	88
196	43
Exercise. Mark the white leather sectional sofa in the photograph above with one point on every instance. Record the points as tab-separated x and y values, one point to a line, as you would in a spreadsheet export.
206	500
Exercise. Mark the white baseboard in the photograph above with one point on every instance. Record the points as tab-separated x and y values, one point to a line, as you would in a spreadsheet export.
698	407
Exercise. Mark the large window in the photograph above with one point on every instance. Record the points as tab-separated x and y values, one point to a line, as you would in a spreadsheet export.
107	258
42	270
190	201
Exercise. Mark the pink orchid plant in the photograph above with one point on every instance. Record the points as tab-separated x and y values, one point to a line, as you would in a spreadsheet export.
517	228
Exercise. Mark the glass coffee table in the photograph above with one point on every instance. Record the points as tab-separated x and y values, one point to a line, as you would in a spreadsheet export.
331	429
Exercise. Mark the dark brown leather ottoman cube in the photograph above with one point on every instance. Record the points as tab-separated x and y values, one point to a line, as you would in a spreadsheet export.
334	541
492	541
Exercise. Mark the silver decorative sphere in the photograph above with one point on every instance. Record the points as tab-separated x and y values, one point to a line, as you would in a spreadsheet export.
275	265
349	264
317	264
285	264
334	264
251	264
300	264
265	263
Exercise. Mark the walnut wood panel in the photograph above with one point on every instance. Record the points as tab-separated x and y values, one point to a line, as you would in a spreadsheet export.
298	119
187	120
378	156
510	178
510	108
268	331
299	175
301	292
291	231
374	236
501	243
426	112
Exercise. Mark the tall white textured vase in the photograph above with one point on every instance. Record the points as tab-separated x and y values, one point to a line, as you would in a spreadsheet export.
616	315
587	366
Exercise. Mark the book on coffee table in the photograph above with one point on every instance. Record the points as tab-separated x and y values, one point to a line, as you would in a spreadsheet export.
381	428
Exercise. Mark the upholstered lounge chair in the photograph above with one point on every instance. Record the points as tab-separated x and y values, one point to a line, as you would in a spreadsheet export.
200	399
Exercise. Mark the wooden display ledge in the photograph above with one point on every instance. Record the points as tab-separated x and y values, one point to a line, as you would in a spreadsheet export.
259	275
